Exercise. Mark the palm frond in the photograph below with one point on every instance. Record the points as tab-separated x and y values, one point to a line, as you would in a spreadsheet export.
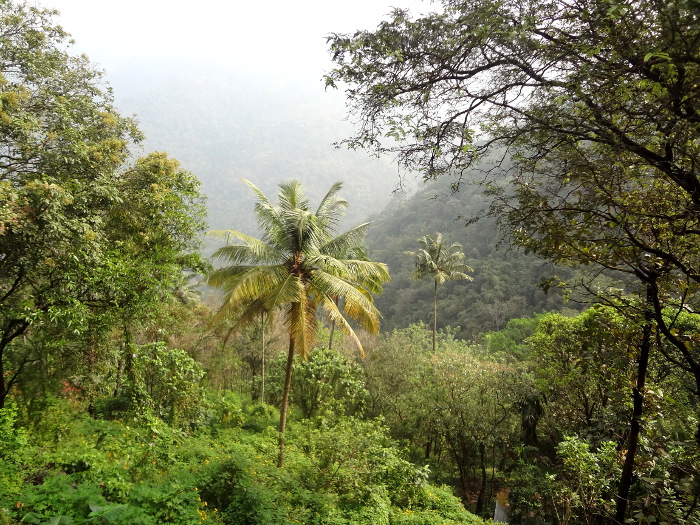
368	274
243	316
251	250
267	215
332	207
244	285
368	319
287	291
222	234
327	263
261	196
218	278
361	272
299	266
292	197
358	304
299	230
347	244
334	315
441	263
301	319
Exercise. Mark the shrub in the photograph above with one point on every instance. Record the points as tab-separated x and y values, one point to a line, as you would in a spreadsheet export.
328	383
166	383
240	498
13	443
61	500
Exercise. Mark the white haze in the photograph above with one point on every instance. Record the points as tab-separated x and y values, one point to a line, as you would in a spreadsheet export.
279	37
234	90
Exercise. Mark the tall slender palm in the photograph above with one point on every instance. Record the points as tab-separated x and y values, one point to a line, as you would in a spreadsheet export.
299	265
442	263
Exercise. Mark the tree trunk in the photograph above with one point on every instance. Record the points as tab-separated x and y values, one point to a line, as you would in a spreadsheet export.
434	316
90	360
4	388
330	337
637	410
118	378
262	384
285	401
482	490
12	330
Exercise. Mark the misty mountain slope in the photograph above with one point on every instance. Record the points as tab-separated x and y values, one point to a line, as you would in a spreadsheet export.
225	126
505	279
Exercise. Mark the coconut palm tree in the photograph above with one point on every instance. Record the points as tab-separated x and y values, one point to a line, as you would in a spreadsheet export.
442	263
298	266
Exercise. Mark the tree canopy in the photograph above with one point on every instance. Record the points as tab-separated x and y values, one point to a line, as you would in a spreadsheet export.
590	112
86	239
618	76
594	104
591	109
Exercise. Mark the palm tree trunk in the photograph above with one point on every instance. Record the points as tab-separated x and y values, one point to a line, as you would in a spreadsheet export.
285	401
434	316
330	337
262	385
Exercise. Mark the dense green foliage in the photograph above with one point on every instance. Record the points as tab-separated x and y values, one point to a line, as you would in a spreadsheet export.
541	431
338	470
88	243
123	403
505	280
590	111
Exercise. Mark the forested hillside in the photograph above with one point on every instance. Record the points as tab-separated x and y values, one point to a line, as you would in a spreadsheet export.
225	127
592	108
313	387
505	282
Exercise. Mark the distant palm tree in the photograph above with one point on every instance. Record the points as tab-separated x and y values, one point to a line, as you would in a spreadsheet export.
441	263
298	266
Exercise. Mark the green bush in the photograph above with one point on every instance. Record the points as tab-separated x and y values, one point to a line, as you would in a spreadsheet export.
239	497
441	501
13	453
259	417
165	383
340	471
61	500
329	382
433	505
169	502
428	517
372	507
227	411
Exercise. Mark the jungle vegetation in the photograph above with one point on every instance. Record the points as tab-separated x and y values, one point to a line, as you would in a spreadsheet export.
314	381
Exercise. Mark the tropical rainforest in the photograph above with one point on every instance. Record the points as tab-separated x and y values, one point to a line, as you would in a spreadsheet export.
516	341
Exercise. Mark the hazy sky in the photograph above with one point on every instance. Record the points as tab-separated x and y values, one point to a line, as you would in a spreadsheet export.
266	58
273	35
